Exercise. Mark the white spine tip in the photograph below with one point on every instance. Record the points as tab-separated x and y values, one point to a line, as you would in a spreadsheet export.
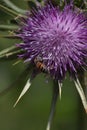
25	89
81	93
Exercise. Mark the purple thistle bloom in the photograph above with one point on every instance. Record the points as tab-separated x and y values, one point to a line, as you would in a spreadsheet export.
58	37
55	42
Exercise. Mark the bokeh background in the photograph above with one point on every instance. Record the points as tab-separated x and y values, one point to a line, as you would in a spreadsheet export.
32	112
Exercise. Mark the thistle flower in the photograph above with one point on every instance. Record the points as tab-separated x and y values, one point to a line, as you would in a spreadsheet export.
54	41
59	38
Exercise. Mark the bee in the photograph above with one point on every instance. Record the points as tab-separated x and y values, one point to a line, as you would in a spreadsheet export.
39	64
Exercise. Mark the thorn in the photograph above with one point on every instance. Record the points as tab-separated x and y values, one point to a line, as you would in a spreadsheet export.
81	93
17	62
86	111
60	89
25	89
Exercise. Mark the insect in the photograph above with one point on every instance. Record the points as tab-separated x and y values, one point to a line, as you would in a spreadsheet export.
39	64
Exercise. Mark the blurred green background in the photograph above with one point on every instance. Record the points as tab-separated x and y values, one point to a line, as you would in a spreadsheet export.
32	112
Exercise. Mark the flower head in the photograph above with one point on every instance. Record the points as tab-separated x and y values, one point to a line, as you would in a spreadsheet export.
54	41
58	37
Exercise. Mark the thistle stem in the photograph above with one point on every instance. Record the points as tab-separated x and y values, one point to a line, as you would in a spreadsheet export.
14	7
9	11
9	36
8	27
53	105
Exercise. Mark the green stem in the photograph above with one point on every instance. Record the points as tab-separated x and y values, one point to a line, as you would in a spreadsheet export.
9	36
14	7
9	11
53	105
8	27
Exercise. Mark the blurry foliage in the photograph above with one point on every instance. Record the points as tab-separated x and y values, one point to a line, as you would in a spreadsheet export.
31	113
